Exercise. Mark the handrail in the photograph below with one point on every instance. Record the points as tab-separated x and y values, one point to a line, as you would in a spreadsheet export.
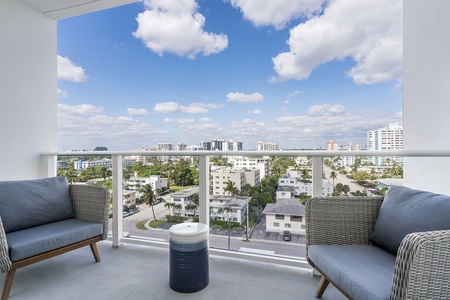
320	153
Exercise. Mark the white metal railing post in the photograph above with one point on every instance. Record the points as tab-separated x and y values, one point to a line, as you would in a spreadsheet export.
117	225
317	167
203	166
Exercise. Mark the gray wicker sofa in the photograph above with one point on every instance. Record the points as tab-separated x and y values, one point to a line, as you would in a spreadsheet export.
42	218
374	248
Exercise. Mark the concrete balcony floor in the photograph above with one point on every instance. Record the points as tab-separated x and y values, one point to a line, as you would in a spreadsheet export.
142	272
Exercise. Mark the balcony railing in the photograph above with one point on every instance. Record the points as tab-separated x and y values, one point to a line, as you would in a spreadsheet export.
316	156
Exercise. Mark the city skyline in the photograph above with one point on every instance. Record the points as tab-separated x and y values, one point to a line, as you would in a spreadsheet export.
190	71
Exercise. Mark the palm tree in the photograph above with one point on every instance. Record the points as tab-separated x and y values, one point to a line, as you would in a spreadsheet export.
170	206
333	176
231	188
149	197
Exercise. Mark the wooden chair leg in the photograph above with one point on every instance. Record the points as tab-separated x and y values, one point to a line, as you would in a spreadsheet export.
95	252
322	287
8	284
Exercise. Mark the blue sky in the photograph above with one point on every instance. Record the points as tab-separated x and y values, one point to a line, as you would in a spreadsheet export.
295	72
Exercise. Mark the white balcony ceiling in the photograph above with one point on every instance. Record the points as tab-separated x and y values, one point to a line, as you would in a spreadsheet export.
61	9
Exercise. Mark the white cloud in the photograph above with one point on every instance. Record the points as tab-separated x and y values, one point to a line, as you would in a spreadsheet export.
206	120
326	110
276	13
167	107
137	111
285	102
255	112
62	93
68	71
192	109
245	98
369	31
179	121
176	27
295	93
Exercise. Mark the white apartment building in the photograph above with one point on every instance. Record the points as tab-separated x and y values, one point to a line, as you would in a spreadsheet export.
183	198
104	162
294	180
240	178
266	146
135	183
285	214
251	163
389	138
237	205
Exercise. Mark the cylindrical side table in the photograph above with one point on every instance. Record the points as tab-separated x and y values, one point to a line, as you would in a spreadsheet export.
189	261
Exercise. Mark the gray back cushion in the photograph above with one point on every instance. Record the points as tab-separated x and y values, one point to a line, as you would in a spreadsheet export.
29	203
405	210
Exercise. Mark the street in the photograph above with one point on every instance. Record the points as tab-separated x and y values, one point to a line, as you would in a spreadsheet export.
237	243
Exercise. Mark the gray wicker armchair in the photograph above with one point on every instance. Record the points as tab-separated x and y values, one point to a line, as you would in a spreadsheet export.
422	264
90	205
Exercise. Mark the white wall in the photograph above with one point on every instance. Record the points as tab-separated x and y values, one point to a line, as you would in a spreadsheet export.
426	87
28	100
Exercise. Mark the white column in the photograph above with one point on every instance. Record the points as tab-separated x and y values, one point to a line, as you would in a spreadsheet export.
203	166
117	225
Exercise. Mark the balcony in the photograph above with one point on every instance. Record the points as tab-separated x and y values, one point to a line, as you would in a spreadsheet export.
139	272
139	268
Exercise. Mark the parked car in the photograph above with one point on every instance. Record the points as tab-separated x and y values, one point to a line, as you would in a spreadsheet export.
287	235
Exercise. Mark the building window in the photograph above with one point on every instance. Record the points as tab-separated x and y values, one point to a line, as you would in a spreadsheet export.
279	217
303	226
296	218
287	225
276	224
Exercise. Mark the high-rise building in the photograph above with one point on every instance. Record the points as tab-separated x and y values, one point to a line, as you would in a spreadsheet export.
267	146
389	138
332	146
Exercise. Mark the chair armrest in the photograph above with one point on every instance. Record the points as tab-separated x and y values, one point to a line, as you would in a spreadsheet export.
341	220
5	261
91	204
422	266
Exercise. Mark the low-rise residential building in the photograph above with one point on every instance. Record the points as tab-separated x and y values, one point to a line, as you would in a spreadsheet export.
104	162
136	183
285	214
229	208
240	178
301	187
181	200
285	192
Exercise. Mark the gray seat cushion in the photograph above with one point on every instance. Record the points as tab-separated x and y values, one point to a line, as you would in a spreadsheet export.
36	240
28	203
405	210
364	272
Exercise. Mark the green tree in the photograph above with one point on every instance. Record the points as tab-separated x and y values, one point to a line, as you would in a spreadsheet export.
231	188
170	206
333	176
148	197
182	174
345	189
71	175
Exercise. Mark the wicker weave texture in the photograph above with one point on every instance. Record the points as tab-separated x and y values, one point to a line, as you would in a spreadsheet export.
91	204
422	267
341	220
5	262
